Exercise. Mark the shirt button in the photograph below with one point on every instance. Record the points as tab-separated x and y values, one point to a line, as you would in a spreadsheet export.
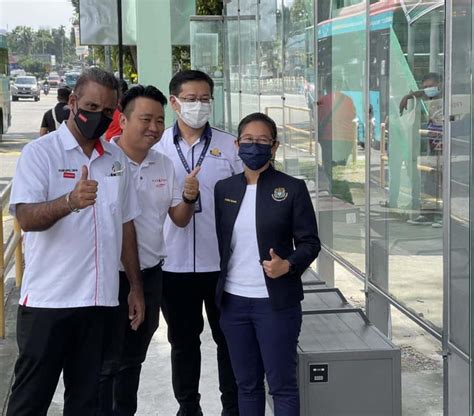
141	177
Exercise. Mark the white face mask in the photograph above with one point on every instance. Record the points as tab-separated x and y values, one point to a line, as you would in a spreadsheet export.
432	92
196	114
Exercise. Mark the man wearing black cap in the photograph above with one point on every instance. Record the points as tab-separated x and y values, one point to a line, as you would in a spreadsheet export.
55	116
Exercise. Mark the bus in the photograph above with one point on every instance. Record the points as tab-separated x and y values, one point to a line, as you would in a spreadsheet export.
5	109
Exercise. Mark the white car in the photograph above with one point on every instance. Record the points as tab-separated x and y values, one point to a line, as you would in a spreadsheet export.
25	87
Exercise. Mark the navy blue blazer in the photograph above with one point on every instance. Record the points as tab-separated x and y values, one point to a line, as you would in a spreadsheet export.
285	221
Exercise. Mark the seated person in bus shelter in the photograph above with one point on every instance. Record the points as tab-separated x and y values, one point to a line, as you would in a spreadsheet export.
432	95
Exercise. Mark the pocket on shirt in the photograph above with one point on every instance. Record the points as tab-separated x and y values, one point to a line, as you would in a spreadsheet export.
220	167
112	191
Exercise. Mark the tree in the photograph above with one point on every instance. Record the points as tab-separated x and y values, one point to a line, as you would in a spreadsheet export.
209	7
59	41
21	40
43	42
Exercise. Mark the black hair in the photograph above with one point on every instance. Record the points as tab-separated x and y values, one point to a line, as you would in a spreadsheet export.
434	76
64	93
149	91
99	76
258	117
188	75
123	86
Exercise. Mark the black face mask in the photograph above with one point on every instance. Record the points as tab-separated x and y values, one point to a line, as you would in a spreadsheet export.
91	124
255	155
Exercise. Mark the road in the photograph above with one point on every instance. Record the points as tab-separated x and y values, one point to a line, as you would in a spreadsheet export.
26	121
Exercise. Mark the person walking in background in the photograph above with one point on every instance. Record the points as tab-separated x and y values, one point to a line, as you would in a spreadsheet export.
142	122
72	195
53	118
192	265
267	233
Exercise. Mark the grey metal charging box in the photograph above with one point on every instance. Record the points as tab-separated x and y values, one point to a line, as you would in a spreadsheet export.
346	366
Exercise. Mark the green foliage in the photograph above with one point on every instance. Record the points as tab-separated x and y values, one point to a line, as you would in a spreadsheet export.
209	7
24	42
181	57
35	67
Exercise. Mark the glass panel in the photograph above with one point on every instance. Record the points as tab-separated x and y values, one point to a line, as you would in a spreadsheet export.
232	69
341	108
298	72
270	51
249	66
460	183
206	55
406	137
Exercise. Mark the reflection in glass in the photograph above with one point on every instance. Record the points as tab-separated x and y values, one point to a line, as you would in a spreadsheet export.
406	95
206	55
340	91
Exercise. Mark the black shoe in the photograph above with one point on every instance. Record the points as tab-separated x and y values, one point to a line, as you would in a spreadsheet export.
183	411
230	412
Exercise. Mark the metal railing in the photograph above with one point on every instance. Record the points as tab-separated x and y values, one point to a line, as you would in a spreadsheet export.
13	250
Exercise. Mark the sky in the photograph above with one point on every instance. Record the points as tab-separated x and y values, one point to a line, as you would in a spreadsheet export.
35	13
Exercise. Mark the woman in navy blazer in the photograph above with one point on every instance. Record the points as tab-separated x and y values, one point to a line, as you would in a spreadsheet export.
267	233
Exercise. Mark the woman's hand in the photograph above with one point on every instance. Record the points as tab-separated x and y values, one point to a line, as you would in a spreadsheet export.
275	267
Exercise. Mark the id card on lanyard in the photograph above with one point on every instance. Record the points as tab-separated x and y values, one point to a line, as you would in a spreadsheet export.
198	206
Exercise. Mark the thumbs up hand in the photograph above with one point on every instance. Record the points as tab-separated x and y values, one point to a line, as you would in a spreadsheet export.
85	191
191	185
275	267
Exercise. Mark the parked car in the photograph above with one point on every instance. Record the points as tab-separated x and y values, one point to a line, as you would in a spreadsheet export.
70	79
54	80
25	87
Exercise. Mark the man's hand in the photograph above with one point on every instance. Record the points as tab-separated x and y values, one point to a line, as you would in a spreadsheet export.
85	191
191	185
404	102
136	307
275	267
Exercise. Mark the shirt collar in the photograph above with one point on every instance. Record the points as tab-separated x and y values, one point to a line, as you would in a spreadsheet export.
267	172
206	134
149	159
70	142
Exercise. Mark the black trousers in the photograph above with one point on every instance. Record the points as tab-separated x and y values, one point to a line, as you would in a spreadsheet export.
126	349
55	340
183	297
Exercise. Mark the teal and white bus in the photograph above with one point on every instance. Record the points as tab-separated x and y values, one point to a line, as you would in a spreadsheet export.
5	110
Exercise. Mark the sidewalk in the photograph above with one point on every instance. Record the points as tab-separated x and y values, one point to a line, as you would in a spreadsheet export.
155	394
422	371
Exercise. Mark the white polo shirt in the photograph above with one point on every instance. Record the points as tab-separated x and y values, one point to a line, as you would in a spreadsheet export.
157	191
74	263
194	248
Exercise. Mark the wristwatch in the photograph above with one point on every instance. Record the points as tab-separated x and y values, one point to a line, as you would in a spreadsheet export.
292	267
190	201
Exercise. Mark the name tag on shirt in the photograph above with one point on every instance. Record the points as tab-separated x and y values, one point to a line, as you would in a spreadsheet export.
198	205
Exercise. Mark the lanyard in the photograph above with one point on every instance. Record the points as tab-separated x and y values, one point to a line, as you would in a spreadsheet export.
201	157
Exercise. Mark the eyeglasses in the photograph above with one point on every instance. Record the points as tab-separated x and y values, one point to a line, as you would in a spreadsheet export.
258	140
204	100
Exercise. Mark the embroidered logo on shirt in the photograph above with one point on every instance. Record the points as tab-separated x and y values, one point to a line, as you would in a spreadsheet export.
279	194
232	201
215	152
159	182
